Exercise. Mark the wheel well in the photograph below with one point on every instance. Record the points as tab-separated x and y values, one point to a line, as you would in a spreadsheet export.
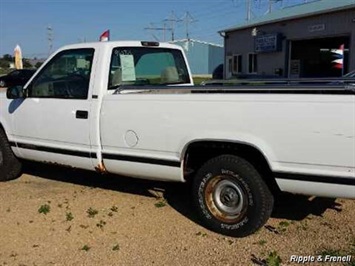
198	153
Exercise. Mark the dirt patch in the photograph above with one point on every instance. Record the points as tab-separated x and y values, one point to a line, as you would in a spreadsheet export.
54	216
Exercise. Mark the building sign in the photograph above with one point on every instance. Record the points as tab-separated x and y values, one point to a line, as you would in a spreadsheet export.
268	43
317	27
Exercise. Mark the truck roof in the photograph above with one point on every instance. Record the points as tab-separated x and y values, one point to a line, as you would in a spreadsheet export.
112	44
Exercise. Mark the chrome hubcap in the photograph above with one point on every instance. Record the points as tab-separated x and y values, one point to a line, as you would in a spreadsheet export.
228	197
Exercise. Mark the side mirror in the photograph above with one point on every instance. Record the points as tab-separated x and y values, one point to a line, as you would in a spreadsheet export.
15	92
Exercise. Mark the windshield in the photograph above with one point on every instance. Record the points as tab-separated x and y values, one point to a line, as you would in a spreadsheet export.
147	66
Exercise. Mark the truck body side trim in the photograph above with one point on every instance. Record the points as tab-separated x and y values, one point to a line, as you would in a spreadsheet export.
135	159
54	150
315	178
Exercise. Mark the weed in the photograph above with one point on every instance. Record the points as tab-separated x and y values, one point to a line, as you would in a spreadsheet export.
110	214
283	226
116	247
304	225
101	224
86	248
45	208
68	229
284	223
160	204
84	226
273	259
262	242
114	208
201	234
92	212
69	216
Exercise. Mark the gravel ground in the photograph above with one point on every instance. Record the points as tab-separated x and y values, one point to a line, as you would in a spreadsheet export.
137	222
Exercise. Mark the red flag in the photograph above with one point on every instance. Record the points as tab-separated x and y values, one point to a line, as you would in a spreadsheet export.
105	36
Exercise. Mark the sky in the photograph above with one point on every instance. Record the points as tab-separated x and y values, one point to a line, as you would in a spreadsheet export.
27	22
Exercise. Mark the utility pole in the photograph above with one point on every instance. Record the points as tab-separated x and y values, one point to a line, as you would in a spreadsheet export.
270	6
164	29
248	10
50	39
188	19
173	20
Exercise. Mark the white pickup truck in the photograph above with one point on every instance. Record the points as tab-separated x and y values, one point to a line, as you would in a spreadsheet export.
129	108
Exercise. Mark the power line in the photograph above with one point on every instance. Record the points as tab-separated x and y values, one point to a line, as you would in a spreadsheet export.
153	28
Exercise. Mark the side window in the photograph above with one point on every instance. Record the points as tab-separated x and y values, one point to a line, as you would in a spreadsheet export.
252	63
67	76
141	66
237	64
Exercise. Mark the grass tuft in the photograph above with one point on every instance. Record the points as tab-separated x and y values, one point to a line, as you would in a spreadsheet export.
45	208
92	212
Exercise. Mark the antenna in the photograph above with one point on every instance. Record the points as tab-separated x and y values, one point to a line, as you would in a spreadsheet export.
187	19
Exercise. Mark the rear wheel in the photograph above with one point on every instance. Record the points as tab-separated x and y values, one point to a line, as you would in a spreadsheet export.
10	166
2	83
231	197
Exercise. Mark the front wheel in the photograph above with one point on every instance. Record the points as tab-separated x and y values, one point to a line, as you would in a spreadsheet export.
230	196
10	166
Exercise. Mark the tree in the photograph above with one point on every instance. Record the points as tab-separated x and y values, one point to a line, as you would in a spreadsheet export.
4	63
26	63
8	57
38	64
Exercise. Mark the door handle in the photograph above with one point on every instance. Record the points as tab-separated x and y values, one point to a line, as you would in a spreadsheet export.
80	114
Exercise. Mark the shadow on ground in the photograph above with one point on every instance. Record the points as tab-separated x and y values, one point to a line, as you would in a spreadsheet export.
178	195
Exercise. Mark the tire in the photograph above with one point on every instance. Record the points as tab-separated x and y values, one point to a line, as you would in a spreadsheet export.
10	166
2	83
230	196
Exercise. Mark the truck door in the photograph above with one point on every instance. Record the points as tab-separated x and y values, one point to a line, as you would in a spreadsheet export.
52	123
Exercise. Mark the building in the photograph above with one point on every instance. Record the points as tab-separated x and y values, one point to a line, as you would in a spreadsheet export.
305	40
203	57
